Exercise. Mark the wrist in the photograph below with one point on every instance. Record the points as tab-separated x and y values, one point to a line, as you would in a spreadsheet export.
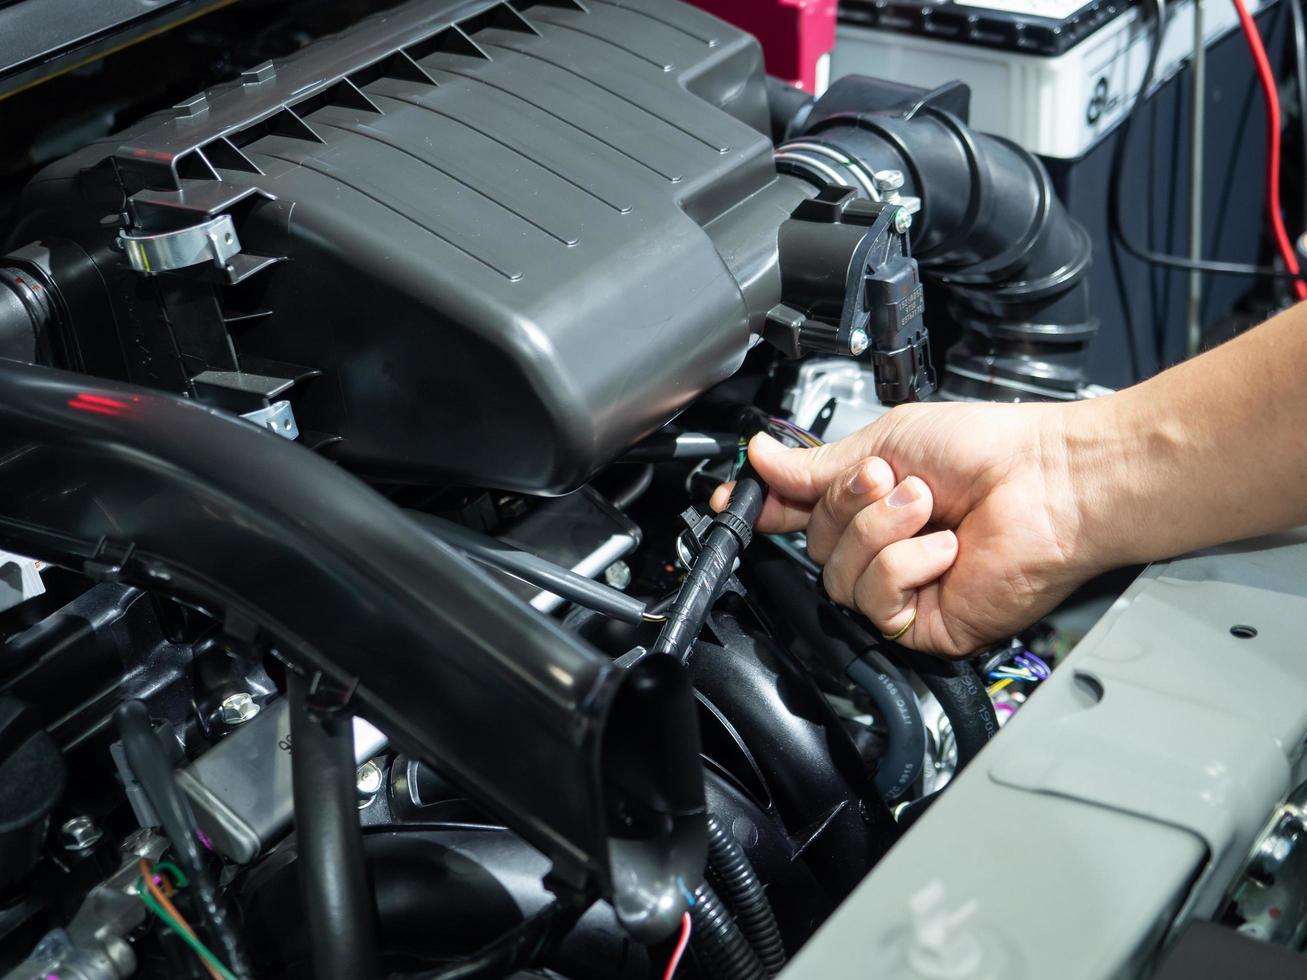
1119	449
1095	462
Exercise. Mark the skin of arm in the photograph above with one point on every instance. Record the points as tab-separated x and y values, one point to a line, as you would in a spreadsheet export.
971	521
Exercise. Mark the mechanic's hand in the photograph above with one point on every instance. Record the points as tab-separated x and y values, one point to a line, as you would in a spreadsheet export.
963	515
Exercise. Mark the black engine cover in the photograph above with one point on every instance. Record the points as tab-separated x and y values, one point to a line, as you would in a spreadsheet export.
487	243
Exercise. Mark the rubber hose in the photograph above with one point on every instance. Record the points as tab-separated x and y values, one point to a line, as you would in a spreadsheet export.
338	903
150	767
688	446
717	941
533	569
900	766
954	683
961	696
634	490
724	542
816	631
732	870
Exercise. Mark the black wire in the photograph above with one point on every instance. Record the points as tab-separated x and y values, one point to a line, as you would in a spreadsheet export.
1212	266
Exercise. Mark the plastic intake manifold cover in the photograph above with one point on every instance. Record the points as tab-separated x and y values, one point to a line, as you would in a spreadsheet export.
489	243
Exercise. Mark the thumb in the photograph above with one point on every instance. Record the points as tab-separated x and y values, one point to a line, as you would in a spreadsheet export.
803	475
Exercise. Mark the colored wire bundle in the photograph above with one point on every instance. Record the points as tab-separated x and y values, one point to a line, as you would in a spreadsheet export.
1025	667
780	426
682	943
152	894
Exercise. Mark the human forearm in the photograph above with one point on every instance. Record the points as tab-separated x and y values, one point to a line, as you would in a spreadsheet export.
1210	451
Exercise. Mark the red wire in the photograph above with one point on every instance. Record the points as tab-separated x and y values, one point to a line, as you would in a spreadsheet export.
679	951
1269	89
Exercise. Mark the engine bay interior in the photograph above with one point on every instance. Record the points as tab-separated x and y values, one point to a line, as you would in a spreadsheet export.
365	375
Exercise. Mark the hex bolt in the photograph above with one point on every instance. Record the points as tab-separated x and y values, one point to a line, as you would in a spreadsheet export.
618	575
858	341
80	834
368	782
888	182
902	221
237	709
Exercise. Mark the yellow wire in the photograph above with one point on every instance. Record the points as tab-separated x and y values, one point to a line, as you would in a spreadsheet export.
995	688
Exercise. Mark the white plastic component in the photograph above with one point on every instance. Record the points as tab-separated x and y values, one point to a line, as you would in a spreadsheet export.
1056	107
20	579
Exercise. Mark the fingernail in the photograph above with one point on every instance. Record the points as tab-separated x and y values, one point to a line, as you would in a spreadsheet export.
905	493
943	541
862	480
764	444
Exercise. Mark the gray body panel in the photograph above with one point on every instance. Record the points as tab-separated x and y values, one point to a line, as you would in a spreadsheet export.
1091	825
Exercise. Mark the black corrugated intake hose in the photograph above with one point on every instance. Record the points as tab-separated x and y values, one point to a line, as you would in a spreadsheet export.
338	903
717	941
726	539
1011	262
730	866
150	766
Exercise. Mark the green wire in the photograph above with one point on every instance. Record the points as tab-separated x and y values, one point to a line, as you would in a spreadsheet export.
194	943
173	870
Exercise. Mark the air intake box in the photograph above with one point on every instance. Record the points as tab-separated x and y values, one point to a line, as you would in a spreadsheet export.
488	243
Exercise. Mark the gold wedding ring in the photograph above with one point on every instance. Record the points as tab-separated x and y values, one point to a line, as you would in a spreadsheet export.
906	626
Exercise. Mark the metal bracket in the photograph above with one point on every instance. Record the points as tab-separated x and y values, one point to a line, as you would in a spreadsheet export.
212	241
277	417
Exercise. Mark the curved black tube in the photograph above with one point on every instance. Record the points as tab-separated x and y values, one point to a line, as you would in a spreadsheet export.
150	766
636	489
538	571
540	729
730	866
338	905
899	768
814	775
961	695
818	635
991	232
665	446
724	542
717	941
955	683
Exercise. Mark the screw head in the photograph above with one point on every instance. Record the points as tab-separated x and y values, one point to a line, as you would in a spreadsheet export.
618	575
902	221
368	782
80	833
858	341
237	709
887	180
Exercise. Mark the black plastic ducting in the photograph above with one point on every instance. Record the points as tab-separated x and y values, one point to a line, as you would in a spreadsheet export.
1009	260
594	764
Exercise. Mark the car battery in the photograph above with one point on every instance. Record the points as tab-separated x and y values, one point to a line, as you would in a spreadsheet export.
1058	77
797	35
